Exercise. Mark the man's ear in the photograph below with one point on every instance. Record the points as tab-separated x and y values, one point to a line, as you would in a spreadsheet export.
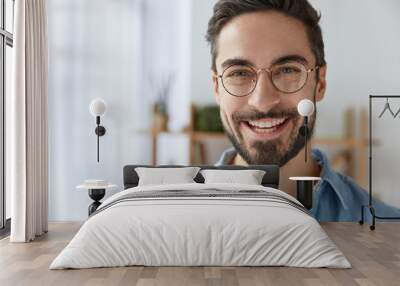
321	84
215	85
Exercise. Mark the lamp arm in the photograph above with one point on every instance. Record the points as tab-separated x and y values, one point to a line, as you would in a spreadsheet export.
100	131
98	145
306	136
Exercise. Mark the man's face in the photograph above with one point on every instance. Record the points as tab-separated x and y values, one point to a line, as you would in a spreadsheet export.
264	125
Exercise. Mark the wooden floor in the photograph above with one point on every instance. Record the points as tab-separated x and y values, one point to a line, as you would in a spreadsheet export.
374	255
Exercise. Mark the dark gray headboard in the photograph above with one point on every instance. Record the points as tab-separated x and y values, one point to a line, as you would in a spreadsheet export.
271	177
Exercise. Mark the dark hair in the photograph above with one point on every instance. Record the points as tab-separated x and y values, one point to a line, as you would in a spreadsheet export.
226	10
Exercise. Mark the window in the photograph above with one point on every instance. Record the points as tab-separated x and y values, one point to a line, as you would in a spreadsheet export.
6	44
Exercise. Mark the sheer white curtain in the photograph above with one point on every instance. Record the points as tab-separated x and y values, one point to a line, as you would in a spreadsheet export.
27	159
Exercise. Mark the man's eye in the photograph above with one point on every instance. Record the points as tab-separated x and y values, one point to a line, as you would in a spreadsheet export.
287	71
240	73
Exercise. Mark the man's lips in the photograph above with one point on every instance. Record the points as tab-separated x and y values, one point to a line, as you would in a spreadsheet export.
265	129
266	123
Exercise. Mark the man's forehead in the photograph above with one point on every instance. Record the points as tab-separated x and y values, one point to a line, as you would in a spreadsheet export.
262	38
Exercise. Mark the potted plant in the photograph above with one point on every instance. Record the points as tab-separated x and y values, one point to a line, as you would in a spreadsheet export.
160	107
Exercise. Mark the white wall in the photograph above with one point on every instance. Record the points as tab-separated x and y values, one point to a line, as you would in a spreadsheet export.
362	40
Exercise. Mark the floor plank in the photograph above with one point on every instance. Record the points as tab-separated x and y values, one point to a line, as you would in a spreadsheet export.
374	255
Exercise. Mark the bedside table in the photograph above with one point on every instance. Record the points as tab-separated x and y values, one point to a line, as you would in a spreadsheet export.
305	189
96	190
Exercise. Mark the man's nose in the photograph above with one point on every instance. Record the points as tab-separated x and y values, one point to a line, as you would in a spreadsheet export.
265	96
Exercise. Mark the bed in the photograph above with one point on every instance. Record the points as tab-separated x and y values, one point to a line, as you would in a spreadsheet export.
201	224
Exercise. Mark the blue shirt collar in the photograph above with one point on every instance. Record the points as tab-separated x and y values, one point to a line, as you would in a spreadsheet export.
331	177
328	175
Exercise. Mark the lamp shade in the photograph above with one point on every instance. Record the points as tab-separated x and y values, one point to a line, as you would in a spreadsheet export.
305	107
97	107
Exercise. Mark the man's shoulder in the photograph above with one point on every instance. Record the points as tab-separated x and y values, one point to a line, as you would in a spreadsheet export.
339	196
348	180
335	178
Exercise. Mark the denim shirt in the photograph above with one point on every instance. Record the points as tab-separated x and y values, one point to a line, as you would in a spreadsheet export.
336	197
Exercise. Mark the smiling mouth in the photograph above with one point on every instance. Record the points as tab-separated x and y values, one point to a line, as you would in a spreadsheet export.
267	125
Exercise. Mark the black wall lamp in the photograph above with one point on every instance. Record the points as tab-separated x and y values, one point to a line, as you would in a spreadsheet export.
305	108
97	108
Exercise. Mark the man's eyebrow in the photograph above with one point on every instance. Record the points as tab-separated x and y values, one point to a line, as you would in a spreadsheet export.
280	60
236	61
290	58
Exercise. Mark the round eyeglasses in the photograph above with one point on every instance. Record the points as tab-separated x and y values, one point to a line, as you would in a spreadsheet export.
241	80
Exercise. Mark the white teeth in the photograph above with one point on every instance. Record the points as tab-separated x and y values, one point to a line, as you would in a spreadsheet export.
266	124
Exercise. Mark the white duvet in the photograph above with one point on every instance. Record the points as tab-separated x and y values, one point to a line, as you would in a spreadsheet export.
200	231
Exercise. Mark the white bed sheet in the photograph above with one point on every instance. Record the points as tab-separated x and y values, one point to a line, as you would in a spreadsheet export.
200	232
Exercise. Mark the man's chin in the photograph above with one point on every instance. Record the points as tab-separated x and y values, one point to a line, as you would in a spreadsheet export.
260	153
268	153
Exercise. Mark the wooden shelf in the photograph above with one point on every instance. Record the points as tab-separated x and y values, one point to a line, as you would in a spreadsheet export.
196	135
199	135
342	142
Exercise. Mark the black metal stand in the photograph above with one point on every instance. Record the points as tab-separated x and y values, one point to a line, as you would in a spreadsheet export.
370	206
304	132
96	195
306	137
305	193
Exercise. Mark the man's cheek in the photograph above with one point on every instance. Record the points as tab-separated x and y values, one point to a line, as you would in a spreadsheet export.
234	128
228	110
225	120
230	125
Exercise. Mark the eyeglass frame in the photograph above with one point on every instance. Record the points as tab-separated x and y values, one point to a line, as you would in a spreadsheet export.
269	71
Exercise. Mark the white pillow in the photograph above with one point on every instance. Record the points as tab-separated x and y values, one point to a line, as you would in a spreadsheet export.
248	177
162	176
